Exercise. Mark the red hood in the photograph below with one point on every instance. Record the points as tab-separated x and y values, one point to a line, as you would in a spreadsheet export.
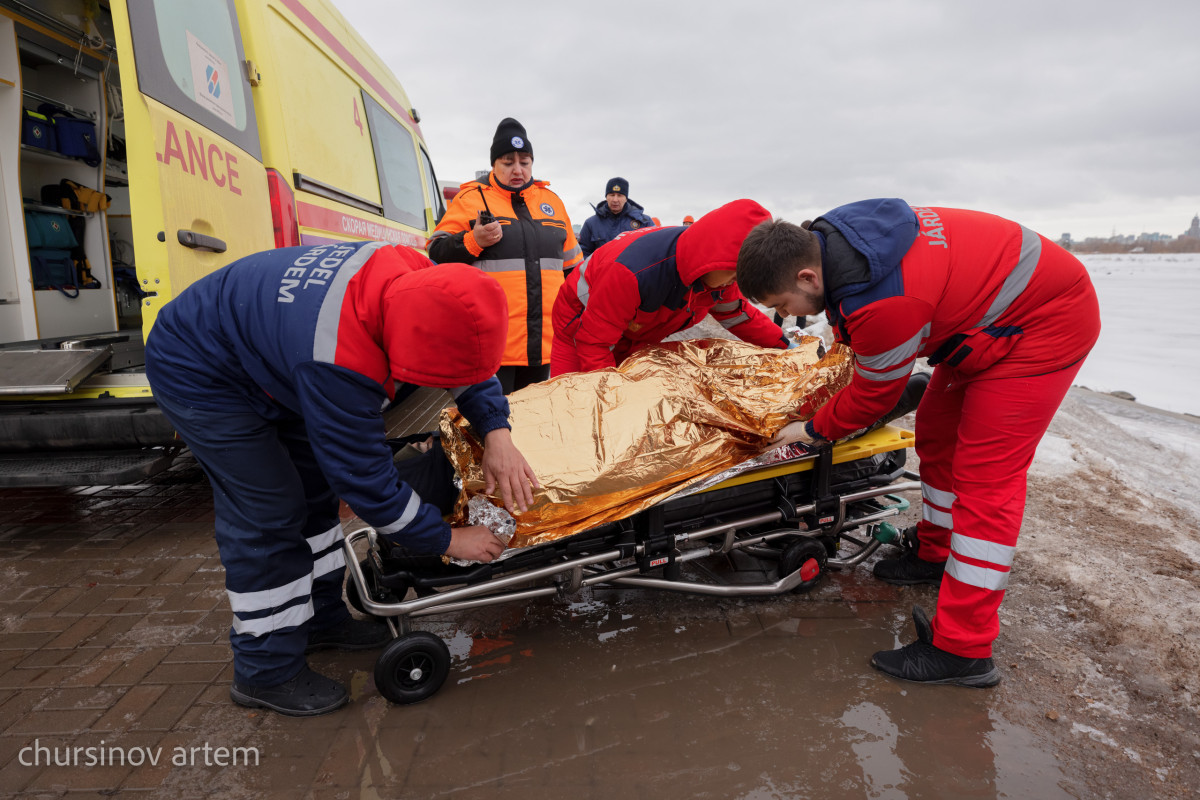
446	326
712	242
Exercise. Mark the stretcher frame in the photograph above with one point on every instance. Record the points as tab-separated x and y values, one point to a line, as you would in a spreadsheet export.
837	525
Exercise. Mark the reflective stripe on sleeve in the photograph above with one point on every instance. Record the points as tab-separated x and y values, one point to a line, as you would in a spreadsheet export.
738	320
410	513
991	579
581	289
898	372
732	305
901	354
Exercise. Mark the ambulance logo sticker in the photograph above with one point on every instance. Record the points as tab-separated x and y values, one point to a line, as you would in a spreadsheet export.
209	73
518	142
214	82
547	209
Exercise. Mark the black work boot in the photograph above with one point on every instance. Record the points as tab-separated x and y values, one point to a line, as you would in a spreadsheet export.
921	662
909	569
309	694
353	634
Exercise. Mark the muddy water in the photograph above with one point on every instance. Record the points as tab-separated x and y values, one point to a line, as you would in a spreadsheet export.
632	695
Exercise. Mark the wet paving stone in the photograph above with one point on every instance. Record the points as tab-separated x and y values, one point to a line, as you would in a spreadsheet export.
114	634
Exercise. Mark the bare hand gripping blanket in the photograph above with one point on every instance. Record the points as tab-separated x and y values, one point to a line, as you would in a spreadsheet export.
610	443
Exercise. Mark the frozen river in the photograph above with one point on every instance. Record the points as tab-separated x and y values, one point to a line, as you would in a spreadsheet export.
1150	342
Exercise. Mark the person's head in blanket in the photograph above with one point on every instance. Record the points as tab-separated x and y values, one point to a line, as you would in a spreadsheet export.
445	326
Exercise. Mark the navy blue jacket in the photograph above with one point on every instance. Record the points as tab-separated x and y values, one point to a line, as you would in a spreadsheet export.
604	226
324	333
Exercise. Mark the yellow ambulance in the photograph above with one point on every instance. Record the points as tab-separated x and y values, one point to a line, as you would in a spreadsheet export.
159	141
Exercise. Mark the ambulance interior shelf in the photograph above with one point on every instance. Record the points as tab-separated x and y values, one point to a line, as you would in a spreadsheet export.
32	205
62	90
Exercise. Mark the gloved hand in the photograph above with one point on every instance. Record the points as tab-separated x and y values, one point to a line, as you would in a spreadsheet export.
801	432
792	343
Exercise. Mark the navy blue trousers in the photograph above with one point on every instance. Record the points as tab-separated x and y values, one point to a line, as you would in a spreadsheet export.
277	531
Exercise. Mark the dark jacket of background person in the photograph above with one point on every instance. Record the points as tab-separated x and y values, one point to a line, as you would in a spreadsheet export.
604	226
528	262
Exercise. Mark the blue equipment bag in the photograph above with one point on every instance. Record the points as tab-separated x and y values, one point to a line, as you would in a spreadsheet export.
37	130
53	269
75	137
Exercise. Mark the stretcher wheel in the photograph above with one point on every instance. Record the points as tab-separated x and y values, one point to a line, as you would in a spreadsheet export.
807	555
412	668
373	590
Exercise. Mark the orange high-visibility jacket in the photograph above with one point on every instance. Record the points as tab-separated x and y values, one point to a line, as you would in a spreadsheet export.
528	261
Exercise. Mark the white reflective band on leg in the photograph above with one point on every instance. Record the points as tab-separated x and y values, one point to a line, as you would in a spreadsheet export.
982	550
328	563
991	579
288	618
937	496
323	541
943	519
270	598
410	513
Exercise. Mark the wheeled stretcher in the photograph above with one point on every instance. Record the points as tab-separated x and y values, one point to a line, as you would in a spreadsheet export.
822	510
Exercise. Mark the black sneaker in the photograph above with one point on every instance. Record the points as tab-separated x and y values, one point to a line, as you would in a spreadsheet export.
909	569
353	634
921	662
309	694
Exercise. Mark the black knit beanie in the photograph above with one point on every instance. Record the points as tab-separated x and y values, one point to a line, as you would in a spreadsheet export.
510	138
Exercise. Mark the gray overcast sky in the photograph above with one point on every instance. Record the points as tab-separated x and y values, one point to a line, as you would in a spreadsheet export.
1067	116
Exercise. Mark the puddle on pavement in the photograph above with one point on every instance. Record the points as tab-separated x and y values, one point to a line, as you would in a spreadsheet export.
659	695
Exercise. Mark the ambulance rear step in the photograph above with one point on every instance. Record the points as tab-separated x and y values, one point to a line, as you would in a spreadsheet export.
81	468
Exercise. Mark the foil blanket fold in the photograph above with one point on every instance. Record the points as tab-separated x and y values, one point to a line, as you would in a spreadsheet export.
610	443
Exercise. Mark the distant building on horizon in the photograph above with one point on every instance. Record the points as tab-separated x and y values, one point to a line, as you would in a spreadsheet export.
1194	231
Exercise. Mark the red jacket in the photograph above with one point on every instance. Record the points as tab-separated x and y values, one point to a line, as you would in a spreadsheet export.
981	295
646	285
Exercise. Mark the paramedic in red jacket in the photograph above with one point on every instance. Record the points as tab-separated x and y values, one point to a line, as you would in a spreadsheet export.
645	285
275	371
1007	318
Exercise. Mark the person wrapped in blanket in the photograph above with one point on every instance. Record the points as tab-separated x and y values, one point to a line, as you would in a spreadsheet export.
1006	317
275	371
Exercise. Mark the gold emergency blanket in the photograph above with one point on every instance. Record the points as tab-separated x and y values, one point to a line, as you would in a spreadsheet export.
610	443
